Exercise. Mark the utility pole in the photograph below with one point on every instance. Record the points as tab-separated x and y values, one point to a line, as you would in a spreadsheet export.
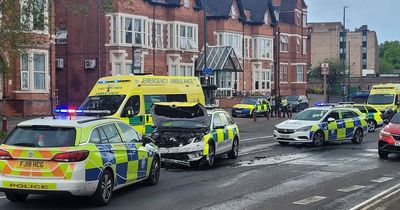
344	36
349	66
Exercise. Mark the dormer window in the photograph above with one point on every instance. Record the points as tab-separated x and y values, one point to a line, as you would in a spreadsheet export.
233	11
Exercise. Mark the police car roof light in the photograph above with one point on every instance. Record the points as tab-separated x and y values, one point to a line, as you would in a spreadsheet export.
324	104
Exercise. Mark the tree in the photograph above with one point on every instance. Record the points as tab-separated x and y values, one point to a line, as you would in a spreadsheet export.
335	76
389	56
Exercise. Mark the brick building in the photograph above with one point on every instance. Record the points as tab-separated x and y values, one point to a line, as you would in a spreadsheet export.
292	47
28	87
162	36
165	38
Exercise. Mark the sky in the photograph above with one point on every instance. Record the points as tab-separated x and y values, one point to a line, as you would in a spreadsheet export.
382	16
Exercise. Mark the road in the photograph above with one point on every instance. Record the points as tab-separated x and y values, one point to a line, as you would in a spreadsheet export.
265	176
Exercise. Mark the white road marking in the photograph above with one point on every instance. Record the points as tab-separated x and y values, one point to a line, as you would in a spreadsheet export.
377	198
309	200
352	188
382	179
256	138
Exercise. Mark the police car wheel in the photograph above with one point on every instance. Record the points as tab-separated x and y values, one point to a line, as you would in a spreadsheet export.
154	172
16	197
358	136
318	139
234	153
383	154
104	191
371	126
211	156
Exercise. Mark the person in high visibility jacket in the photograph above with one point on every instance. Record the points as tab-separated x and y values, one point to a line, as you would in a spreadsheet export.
285	107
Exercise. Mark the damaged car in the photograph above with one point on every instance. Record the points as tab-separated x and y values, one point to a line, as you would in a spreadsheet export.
188	134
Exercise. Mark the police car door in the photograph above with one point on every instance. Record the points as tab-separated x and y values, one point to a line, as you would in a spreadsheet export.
333	126
217	132
226	144
137	154
348	117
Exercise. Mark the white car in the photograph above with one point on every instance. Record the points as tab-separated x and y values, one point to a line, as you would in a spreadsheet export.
321	124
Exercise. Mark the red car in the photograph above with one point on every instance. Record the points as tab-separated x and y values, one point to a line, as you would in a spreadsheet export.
389	138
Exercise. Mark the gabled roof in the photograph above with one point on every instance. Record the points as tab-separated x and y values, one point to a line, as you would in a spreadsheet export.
220	9
258	8
165	3
220	58
290	5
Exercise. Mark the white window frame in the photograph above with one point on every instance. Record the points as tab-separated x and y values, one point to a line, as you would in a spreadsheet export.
31	71
233	12
298	45
298	73
186	3
178	69
304	46
262	44
284	43
29	17
304	20
182	42
233	40
118	31
159	35
261	73
283	72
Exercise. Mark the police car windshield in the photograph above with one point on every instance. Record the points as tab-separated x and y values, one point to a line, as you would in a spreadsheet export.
310	115
248	101
38	136
104	102
381	99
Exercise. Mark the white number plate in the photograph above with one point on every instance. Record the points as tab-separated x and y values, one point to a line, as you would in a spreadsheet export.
285	136
397	143
238	111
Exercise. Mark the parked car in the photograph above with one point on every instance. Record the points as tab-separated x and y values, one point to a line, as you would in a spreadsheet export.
298	103
247	107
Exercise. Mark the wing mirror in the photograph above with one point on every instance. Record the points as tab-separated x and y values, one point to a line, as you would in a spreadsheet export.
218	127
330	120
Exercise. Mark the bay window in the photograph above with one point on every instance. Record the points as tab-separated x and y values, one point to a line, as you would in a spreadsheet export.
185	36
233	40
262	48
34	71
262	80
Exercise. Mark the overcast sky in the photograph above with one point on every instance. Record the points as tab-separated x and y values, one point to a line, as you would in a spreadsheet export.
381	16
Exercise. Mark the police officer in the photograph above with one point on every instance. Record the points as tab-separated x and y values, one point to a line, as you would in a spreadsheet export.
285	107
272	103
278	106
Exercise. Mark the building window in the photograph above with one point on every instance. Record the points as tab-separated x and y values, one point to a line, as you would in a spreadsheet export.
364	50
181	70
297	45
128	30
364	38
262	80
304	46
34	71
284	43
263	48
283	73
34	15
159	37
300	73
114	29
304	20
225	80
233	11
186	37
233	40
138	32
266	18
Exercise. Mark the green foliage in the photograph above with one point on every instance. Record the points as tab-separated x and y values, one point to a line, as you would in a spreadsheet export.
335	75
389	55
2	134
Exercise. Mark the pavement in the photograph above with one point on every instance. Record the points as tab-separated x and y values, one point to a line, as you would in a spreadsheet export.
266	175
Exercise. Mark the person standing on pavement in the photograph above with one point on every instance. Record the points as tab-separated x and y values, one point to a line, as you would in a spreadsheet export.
278	106
272	103
285	107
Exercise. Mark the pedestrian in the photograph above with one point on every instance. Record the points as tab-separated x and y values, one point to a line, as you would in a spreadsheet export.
272	103
285	107
278	106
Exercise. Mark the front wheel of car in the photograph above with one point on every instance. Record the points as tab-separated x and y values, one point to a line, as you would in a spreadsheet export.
383	154
318	139
210	157
104	191
234	153
16	197
371	126
154	175
358	136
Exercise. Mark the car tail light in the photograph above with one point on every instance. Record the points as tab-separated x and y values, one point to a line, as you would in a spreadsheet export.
75	156
4	155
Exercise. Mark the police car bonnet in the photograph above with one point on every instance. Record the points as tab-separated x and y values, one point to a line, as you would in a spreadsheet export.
167	112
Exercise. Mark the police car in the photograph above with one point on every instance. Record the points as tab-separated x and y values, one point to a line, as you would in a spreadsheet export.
81	156
373	115
318	125
188	134
248	106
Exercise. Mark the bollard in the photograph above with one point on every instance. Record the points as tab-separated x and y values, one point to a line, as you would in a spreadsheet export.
5	124
255	115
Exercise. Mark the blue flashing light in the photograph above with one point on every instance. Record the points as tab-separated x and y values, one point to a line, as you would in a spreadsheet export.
323	104
67	111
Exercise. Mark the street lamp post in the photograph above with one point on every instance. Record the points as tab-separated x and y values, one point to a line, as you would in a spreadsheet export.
344	35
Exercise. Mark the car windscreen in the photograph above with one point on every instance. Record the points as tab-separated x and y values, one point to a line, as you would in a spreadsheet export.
248	101
292	98
310	115
381	99
396	119
41	136
103	102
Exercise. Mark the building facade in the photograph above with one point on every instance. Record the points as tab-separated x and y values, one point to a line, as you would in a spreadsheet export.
28	87
358	49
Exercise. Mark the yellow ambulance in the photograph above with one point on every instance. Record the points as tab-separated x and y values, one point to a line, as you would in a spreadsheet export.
131	97
385	95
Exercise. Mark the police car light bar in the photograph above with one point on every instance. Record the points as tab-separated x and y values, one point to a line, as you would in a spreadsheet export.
75	111
324	104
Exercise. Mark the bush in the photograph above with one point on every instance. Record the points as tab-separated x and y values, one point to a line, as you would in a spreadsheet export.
2	136
315	90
